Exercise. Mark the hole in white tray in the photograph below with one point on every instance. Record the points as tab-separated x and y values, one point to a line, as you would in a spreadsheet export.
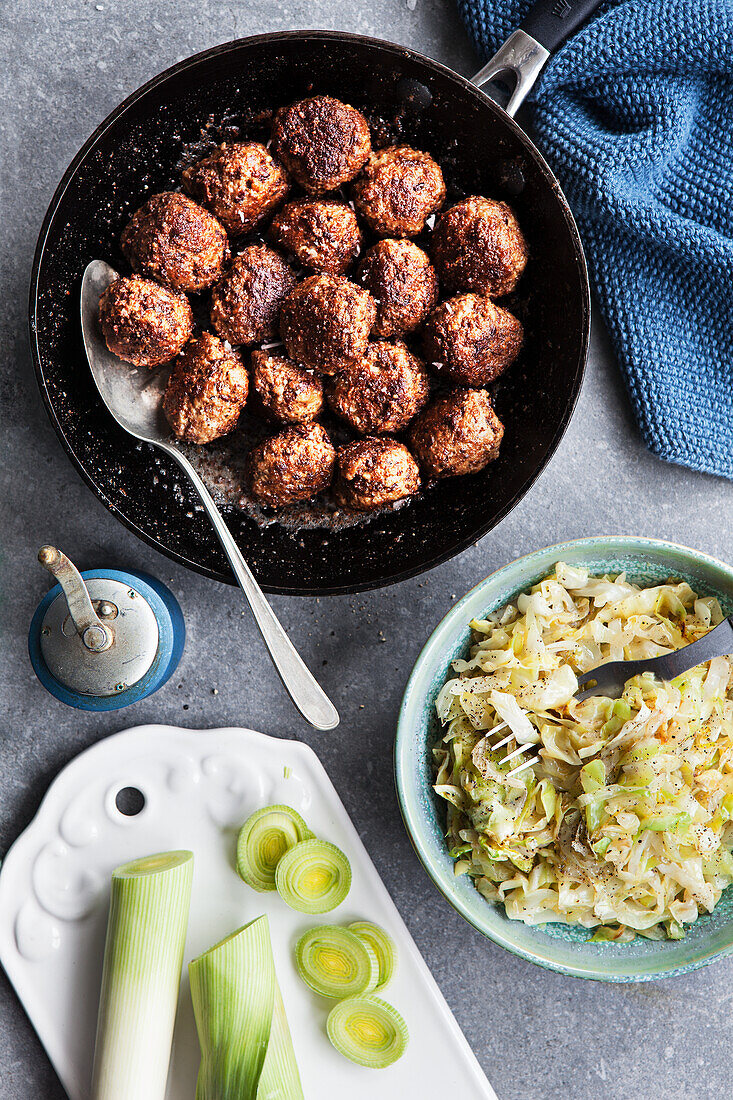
130	801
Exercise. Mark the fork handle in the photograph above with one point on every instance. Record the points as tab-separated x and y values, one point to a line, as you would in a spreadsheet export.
302	687
716	643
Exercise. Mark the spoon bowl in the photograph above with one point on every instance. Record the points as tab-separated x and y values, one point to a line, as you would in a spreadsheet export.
133	395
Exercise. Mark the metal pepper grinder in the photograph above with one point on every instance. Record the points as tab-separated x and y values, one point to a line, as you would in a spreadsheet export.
103	639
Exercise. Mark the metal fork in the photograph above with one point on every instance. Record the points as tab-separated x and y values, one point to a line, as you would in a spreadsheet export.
610	678
528	763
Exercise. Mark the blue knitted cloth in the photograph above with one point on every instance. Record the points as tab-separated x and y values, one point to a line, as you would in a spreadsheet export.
635	116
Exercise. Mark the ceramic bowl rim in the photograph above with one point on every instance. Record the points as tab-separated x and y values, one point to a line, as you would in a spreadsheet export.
406	787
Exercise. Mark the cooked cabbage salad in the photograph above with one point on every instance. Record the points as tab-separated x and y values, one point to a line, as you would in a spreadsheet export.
625	824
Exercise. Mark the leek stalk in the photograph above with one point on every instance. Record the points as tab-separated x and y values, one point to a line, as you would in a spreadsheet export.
246	1048
143	955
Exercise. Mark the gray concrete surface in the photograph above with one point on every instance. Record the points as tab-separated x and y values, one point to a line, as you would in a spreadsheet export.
64	64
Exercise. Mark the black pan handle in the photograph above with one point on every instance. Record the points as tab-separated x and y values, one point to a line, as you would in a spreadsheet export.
526	52
551	22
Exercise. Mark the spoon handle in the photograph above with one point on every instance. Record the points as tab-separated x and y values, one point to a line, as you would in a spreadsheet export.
303	689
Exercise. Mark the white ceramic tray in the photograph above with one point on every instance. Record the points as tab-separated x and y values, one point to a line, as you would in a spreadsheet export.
199	786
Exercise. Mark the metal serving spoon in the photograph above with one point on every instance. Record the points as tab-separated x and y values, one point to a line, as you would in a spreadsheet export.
134	397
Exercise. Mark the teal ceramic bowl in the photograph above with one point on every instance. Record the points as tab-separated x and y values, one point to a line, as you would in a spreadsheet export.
554	946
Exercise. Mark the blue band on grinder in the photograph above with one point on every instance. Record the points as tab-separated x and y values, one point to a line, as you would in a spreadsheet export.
171	640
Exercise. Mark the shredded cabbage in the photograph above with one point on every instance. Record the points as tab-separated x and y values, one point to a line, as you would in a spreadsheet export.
626	823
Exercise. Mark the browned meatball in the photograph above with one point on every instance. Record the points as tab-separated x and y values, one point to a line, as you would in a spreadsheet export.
241	184
322	233
295	464
287	391
470	340
403	282
325	322
245	305
174	240
206	391
144	323
380	392
322	142
373	472
398	190
478	245
457	434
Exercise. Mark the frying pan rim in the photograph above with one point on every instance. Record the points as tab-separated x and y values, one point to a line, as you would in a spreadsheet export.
464	86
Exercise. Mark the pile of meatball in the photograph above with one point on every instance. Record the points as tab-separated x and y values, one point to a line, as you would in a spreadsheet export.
309	320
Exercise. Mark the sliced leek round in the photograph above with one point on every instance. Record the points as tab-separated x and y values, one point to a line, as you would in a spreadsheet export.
383	947
313	877
368	1031
263	840
336	963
